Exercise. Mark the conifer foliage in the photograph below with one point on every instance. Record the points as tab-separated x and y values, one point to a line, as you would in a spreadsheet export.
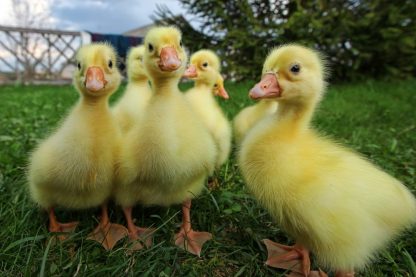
360	38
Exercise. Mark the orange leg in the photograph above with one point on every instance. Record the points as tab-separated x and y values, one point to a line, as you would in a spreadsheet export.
295	258
187	238
137	234
107	233
56	226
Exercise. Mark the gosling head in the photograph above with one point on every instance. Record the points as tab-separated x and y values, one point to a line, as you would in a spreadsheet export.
219	89
135	69
291	74
97	73
204	68
164	55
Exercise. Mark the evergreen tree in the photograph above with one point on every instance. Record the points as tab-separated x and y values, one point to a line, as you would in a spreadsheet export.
360	38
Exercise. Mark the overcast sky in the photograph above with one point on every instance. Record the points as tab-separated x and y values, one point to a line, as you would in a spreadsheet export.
101	16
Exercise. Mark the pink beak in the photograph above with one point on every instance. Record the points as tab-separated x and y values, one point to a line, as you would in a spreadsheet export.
268	87
190	72
95	79
223	93
169	60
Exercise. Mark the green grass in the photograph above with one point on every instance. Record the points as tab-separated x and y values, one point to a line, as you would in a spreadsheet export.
375	118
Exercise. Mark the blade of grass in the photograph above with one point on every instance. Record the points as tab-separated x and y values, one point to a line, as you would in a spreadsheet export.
23	240
45	256
410	263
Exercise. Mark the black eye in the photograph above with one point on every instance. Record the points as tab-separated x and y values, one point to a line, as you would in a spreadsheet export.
295	68
150	46
79	65
205	64
110	64
180	43
216	85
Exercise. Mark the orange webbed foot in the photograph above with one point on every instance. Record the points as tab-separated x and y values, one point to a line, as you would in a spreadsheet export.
191	240
141	237
295	258
187	238
57	227
108	234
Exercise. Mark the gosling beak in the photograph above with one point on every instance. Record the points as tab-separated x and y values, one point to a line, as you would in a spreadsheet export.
94	79
190	72
169	60
223	93
268	87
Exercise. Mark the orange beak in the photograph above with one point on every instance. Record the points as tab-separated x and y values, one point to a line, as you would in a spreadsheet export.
94	79
223	93
169	60
268	87
190	72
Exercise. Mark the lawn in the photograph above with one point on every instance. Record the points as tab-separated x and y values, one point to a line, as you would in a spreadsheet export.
375	118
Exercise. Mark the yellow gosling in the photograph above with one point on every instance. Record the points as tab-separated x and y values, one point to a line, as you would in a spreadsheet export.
167	158
204	69
331	200
74	167
131	106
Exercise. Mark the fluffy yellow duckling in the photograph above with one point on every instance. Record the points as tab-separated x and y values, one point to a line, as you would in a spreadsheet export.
204	69
74	167
130	107
167	157
334	202
250	116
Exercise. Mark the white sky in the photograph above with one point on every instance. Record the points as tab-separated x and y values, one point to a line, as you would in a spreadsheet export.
101	16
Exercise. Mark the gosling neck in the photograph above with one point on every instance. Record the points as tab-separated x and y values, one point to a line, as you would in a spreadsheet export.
161	85
95	103
204	86
140	80
296	116
266	103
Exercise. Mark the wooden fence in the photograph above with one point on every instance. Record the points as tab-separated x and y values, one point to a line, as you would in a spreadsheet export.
29	55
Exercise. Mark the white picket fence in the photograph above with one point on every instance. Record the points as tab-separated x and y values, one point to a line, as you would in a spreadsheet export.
29	55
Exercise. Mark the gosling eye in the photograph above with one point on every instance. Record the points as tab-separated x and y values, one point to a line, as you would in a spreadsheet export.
216	85
150	47
110	64
180	43
79	65
205	64
295	69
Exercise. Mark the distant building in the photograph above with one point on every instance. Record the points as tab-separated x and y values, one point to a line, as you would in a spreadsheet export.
140	31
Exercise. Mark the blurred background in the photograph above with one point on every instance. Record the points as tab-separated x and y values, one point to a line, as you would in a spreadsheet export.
361	38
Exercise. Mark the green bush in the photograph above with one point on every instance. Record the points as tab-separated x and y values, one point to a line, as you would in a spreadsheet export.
360	38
